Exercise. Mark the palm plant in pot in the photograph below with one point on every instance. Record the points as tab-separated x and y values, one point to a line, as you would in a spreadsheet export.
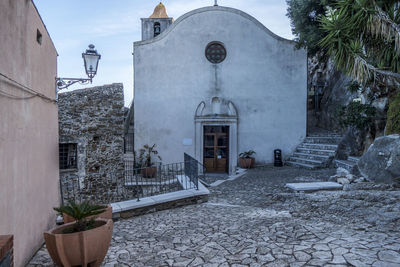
246	160
82	242
147	153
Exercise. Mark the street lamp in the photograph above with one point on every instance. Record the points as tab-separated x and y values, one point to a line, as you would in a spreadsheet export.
91	60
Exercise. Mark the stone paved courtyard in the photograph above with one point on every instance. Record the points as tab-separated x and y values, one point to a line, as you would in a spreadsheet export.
255	221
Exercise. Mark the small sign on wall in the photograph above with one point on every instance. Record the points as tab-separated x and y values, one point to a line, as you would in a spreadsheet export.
187	142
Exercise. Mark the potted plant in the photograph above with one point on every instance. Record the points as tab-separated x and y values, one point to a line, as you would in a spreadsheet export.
82	242
146	155
107	214
246	160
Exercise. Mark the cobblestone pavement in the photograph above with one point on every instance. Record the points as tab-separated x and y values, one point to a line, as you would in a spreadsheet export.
255	221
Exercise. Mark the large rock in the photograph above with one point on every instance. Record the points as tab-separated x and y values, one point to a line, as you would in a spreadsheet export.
381	163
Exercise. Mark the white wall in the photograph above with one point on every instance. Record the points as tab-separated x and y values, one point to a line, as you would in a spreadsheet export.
263	75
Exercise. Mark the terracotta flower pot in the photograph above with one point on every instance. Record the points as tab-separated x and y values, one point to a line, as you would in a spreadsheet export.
82	248
149	172
246	163
107	214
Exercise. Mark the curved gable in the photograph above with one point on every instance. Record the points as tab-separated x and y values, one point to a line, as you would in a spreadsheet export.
238	12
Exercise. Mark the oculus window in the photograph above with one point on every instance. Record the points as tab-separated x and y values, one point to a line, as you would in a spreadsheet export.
215	52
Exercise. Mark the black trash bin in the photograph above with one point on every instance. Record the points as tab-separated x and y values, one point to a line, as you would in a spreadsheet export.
278	158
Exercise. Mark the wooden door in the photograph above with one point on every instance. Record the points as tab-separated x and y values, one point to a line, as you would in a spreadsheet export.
216	148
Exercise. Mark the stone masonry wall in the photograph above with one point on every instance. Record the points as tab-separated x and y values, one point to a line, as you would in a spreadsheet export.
93	118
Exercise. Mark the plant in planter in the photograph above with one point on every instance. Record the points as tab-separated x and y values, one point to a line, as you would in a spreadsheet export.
145	157
246	160
82	242
106	214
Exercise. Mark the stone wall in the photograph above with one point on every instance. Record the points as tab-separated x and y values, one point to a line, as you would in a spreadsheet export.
93	118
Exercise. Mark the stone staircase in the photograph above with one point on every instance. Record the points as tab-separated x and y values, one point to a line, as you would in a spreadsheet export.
317	151
349	164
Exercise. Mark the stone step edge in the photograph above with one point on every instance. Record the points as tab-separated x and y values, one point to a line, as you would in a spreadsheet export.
309	166
313	186
311	154
317	162
318	144
346	162
317	150
324	136
354	159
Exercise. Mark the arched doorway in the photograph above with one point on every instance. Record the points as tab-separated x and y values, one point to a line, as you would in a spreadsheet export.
216	135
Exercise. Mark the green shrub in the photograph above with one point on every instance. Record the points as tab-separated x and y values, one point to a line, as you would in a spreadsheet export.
355	114
80	212
353	87
393	116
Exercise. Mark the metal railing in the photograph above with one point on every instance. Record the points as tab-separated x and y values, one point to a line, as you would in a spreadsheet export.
128	143
99	188
134	183
161	179
150	181
194	169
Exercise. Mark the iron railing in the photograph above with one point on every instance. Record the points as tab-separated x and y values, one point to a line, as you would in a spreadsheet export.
95	187
156	180
161	179
128	143
134	183
194	169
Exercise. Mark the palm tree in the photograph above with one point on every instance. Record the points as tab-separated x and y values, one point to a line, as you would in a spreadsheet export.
363	38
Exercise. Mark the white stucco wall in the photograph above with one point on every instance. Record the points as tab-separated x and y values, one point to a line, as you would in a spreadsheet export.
29	170
263	75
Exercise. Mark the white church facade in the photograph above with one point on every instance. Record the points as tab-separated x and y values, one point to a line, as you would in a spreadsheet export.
214	83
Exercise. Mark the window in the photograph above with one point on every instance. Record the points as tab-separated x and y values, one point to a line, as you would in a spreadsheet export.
215	52
38	37
68	155
157	29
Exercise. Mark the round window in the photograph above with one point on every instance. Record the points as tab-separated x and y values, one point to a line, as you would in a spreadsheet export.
215	52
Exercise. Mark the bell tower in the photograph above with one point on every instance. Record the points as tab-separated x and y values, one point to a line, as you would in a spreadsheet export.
156	23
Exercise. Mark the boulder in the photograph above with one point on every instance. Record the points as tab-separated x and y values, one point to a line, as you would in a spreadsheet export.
360	180
381	163
343	181
350	177
342	172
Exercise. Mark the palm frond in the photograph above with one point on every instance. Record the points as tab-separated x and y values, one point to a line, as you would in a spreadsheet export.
80	211
382	26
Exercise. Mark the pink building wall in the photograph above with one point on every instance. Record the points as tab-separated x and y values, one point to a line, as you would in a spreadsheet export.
29	179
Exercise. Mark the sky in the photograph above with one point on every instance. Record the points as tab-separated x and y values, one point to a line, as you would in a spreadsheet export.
113	26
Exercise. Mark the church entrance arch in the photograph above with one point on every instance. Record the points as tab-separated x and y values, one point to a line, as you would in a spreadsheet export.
216	135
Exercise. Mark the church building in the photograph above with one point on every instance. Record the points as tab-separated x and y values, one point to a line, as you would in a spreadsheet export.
215	83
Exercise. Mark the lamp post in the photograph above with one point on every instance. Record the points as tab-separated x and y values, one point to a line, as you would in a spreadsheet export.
91	61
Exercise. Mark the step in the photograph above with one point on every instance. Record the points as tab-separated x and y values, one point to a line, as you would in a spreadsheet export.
346	164
302	165
314	186
311	156
305	160
319	146
322	140
324	135
316	151
353	159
